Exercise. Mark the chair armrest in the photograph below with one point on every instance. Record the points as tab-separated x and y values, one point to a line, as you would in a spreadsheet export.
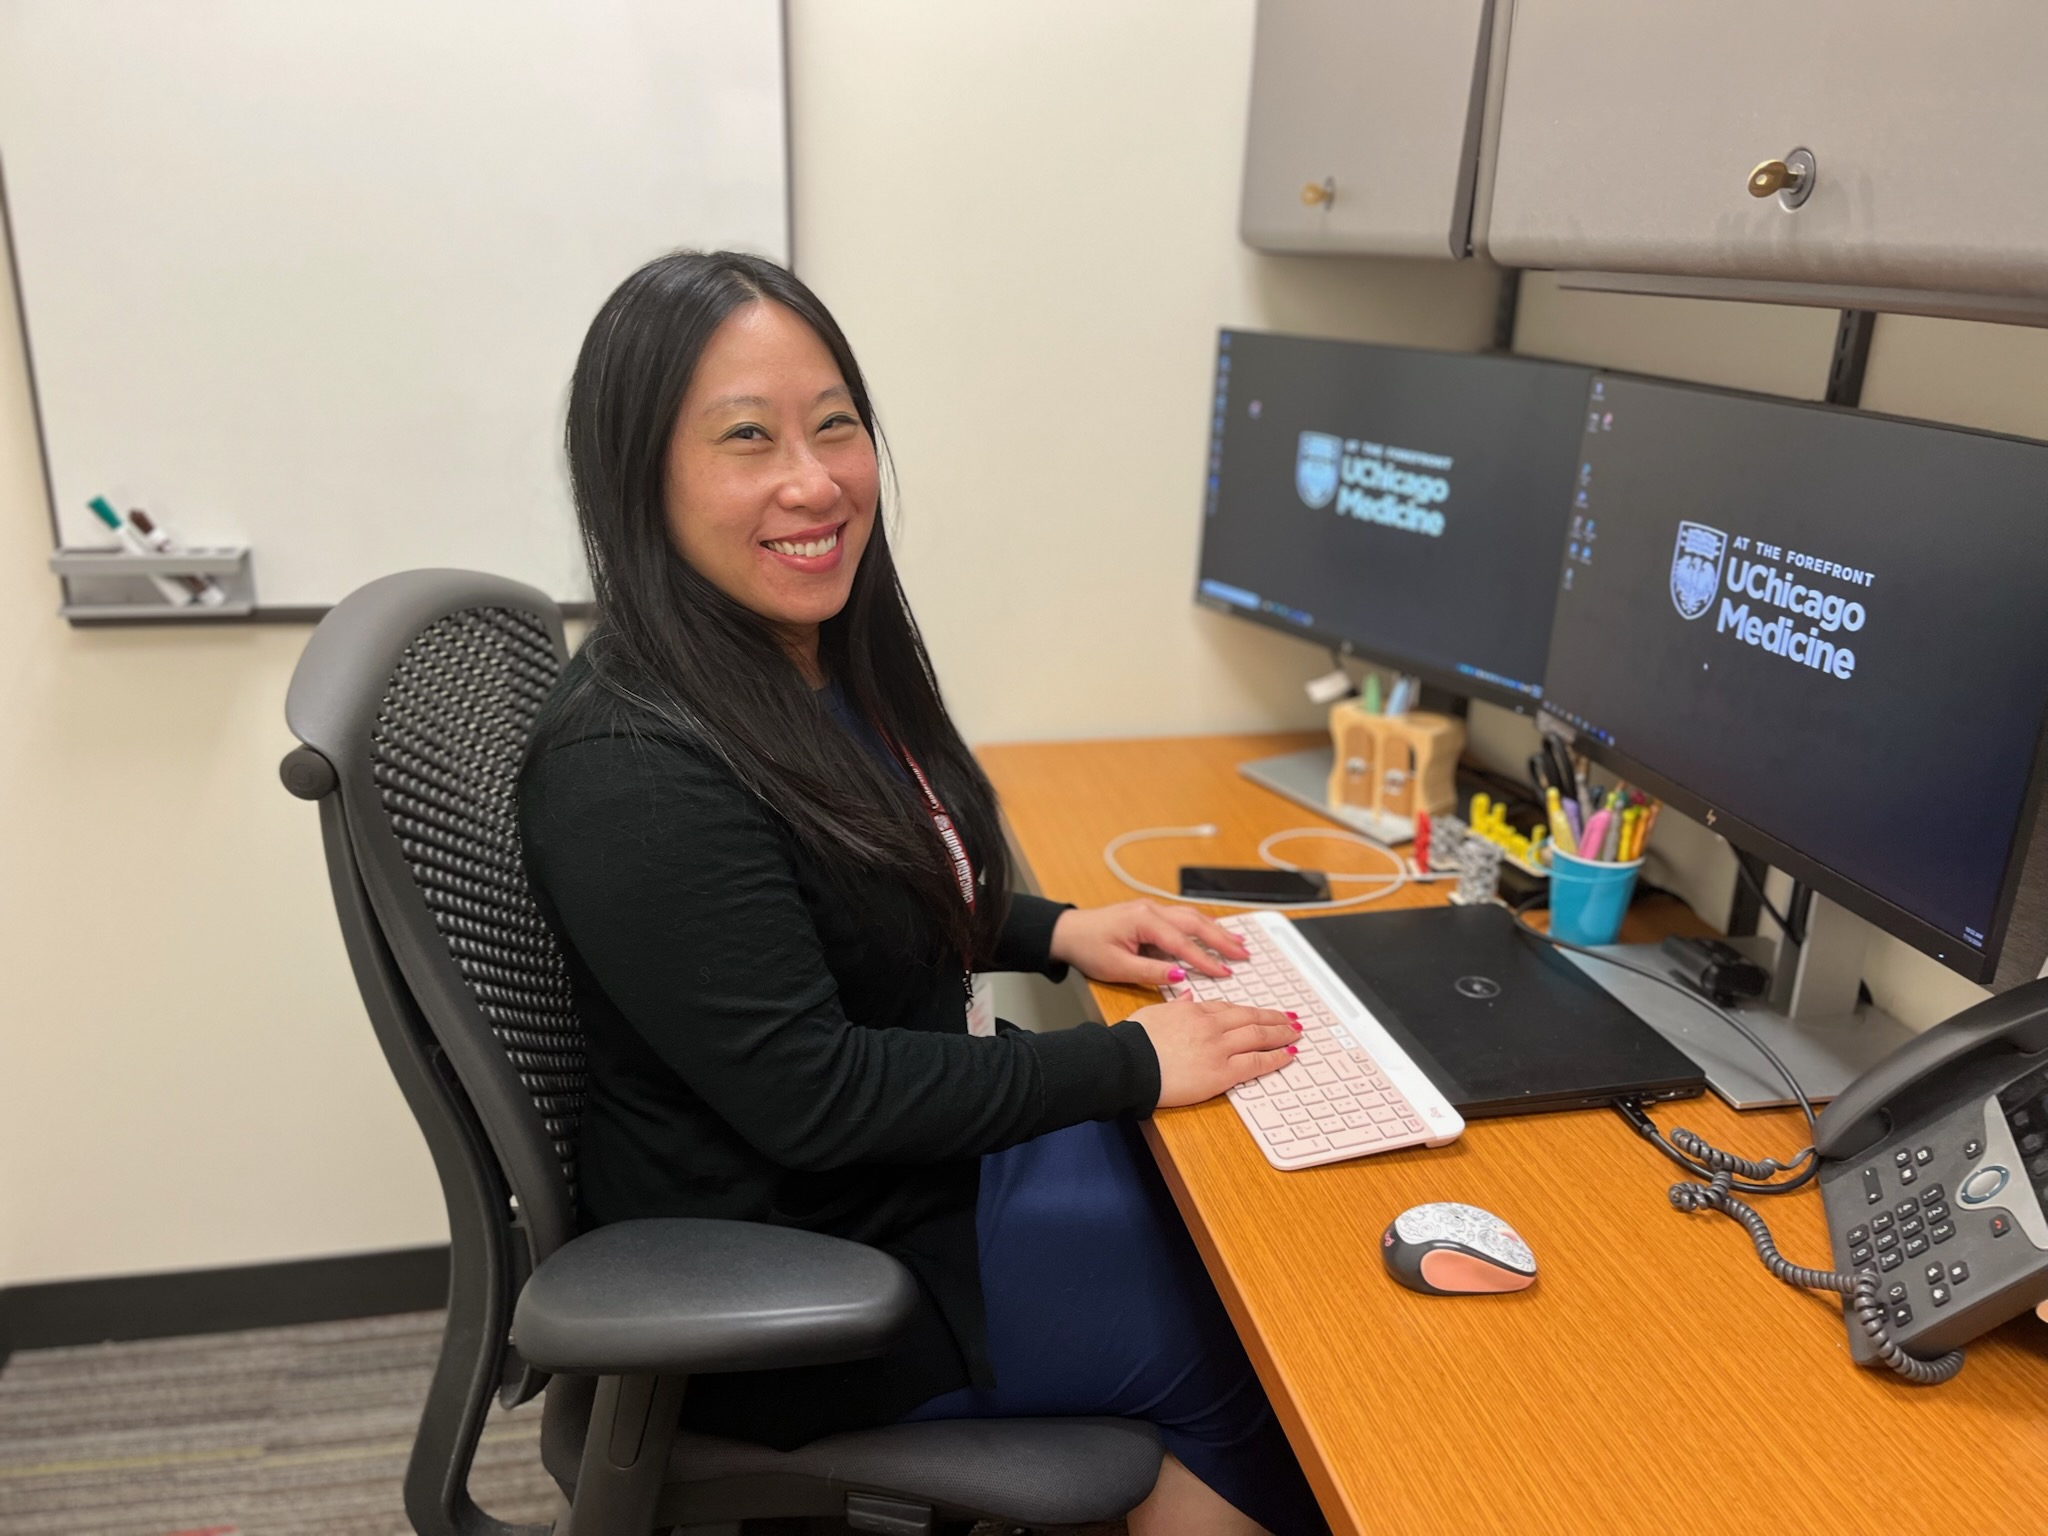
681	1295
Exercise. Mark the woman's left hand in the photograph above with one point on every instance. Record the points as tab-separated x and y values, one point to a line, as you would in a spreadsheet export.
1109	943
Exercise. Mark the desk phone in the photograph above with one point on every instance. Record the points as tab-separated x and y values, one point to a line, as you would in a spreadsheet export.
1934	1175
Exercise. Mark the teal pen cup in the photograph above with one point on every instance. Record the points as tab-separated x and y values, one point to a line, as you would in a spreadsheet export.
1588	898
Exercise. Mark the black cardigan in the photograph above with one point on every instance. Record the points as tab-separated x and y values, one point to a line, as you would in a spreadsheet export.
774	1040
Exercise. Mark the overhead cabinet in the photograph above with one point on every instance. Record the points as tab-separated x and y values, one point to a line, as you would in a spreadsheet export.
1365	128
1866	147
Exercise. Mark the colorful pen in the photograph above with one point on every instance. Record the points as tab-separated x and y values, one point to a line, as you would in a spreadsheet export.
1560	825
1592	841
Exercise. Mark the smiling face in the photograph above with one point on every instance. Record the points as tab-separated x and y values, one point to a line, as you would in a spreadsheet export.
772	479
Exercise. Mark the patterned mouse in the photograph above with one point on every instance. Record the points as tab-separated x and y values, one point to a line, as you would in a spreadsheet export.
1446	1249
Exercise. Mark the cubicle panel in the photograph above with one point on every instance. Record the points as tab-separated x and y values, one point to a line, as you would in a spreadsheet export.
1630	132
1364	127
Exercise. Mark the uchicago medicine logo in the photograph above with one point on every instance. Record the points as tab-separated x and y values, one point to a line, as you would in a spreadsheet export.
1696	568
1380	483
1315	468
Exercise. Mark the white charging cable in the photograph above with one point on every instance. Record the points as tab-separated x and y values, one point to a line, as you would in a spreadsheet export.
1386	882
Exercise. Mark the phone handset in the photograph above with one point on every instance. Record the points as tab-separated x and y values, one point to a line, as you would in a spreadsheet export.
1861	1117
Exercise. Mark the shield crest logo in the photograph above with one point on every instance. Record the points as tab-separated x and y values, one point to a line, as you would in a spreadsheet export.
1315	468
1696	568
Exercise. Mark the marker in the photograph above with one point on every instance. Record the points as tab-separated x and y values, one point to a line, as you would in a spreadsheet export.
1369	698
205	588
1422	842
1593	839
1610	843
1560	824
175	593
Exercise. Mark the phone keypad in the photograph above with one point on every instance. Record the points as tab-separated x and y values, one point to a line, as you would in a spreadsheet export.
1910	1226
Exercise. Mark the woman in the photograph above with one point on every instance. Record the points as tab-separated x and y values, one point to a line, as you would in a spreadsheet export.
774	863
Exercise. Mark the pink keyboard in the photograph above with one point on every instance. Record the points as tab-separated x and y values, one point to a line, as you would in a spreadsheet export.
1352	1090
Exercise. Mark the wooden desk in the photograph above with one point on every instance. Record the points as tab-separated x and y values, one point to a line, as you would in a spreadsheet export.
1655	1377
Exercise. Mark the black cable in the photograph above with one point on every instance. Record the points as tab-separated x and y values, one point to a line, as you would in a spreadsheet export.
1798	1094
1791	930
1718	1170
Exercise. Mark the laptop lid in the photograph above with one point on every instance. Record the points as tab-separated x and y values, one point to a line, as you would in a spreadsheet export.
1503	1024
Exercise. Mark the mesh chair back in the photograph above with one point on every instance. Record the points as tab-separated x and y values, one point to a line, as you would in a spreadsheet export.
421	691
445	752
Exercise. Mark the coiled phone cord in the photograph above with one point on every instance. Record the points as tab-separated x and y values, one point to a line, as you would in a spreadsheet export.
1725	1174
1717	1194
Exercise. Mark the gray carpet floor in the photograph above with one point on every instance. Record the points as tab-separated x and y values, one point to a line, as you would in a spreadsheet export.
274	1432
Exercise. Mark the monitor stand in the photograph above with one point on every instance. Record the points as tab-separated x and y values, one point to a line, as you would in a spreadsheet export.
1811	1018
1304	778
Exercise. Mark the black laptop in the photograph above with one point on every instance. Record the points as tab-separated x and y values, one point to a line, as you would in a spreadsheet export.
1502	1023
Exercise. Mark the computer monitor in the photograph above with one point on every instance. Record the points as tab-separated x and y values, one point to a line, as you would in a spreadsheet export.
1825	634
1404	505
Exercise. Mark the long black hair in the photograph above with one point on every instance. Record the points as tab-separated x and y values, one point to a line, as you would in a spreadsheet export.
669	641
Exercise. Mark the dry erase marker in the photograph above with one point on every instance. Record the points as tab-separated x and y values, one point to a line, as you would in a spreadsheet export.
205	588
175	593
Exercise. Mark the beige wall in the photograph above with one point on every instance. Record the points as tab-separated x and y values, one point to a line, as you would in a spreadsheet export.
1025	218
189	1077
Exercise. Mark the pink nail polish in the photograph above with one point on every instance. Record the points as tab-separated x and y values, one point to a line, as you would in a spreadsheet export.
1176	974
1297	1022
1294	1050
1292	1014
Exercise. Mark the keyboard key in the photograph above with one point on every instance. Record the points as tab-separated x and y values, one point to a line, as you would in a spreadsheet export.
1267	1116
1305	1145
1354	1138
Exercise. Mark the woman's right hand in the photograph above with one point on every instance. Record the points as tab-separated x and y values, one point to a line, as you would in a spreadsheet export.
1204	1048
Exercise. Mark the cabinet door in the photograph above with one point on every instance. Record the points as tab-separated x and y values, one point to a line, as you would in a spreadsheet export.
1379	102
1629	131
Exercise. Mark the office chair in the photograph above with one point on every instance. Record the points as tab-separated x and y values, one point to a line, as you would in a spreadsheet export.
414	700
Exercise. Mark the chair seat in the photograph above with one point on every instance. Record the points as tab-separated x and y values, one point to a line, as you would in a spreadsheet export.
1030	1471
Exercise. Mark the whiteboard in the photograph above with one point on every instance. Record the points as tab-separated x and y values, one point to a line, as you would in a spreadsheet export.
311	275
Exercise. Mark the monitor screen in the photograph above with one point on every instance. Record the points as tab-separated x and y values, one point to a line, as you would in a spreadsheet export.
1825	633
1408	506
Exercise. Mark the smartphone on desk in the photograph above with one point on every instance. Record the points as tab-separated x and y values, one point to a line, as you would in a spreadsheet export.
1283	887
1934	1174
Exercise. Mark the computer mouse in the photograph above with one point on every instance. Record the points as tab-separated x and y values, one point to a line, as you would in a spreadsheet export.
1447	1249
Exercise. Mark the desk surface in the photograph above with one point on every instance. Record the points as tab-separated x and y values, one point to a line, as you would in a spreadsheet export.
1654	1376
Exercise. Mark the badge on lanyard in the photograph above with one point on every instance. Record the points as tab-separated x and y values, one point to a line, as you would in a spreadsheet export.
979	990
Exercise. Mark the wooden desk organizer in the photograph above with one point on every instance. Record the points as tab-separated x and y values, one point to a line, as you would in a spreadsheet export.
1394	765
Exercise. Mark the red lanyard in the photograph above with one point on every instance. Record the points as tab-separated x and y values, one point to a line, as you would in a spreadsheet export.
963	867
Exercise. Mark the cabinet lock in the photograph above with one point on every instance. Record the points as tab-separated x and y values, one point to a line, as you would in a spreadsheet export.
1792	178
1323	192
